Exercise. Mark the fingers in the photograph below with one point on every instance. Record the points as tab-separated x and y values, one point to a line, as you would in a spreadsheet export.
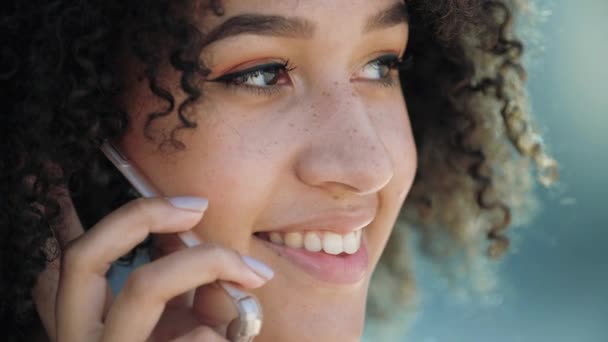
142	300
200	334
123	229
85	261
214	306
45	291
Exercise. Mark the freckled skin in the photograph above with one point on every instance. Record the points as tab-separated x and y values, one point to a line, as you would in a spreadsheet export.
324	142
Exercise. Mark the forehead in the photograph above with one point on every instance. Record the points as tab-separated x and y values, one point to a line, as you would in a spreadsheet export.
303	5
326	14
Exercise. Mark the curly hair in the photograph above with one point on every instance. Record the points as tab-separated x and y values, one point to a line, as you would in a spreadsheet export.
60	76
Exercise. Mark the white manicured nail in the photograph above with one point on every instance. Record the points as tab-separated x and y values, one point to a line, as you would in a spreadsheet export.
189	239
189	203
259	267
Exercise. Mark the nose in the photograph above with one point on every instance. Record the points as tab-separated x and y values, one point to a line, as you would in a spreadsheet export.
346	152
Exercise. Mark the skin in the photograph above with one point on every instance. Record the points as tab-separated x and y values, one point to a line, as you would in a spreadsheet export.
329	140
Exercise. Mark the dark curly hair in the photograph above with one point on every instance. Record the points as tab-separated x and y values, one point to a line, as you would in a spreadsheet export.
60	73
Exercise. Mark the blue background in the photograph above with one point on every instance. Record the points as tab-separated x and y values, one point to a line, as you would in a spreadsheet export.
554	284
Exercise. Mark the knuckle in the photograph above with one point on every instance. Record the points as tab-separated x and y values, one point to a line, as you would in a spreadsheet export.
141	208
72	256
222	256
139	282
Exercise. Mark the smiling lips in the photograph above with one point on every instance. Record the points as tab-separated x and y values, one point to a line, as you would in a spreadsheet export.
335	255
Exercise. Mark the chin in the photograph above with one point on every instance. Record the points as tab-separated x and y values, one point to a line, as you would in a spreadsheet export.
316	314
303	331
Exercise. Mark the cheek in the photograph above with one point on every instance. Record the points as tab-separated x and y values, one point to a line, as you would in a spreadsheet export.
399	141
393	125
220	163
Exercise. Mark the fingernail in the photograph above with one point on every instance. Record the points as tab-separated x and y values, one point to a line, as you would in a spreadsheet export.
259	267
189	203
189	239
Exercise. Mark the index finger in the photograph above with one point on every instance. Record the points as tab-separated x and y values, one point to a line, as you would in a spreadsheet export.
87	259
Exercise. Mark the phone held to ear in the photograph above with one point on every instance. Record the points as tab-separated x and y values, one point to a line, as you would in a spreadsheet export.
249	322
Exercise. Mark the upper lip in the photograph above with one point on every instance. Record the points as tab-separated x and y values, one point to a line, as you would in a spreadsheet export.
339	222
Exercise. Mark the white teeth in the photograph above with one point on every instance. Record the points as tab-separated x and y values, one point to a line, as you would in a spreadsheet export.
294	240
332	243
329	242
350	242
276	238
312	242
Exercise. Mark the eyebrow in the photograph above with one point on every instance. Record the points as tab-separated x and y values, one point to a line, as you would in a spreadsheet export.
265	25
297	27
393	15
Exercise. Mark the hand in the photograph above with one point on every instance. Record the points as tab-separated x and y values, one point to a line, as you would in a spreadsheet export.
83	308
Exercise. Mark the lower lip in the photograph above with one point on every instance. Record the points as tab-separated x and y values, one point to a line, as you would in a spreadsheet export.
335	269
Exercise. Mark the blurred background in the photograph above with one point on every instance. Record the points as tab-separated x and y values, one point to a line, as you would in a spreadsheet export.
554	284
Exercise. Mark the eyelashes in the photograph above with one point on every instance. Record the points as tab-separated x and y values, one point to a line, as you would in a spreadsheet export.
382	67
394	62
269	72
269	78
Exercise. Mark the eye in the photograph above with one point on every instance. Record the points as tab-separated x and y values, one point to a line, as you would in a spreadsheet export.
376	69
259	76
380	68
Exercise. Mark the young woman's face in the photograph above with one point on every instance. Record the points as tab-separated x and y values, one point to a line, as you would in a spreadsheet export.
322	145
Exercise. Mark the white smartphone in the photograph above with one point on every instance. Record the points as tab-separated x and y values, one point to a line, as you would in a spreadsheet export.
248	324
